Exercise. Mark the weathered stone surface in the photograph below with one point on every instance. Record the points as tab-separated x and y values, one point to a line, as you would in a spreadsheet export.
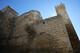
69	27
55	28
9	12
29	33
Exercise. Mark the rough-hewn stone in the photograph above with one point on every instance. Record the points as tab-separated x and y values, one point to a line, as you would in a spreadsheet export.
29	33
70	29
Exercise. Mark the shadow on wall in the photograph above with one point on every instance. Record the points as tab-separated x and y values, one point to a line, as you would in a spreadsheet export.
31	35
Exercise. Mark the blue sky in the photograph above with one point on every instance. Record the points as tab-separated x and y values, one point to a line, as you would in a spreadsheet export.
46	8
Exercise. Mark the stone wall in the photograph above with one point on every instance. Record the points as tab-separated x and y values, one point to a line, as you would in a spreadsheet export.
9	12
5	31
47	35
30	33
19	35
53	35
73	38
70	29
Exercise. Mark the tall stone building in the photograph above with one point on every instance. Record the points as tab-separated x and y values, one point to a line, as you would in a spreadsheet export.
29	33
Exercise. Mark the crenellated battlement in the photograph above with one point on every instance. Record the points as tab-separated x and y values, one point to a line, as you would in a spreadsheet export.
29	33
60	6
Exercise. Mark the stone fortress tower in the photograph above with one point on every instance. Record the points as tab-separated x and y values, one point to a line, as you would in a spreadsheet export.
70	29
29	33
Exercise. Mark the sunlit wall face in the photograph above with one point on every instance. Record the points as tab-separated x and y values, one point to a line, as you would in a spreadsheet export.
46	8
